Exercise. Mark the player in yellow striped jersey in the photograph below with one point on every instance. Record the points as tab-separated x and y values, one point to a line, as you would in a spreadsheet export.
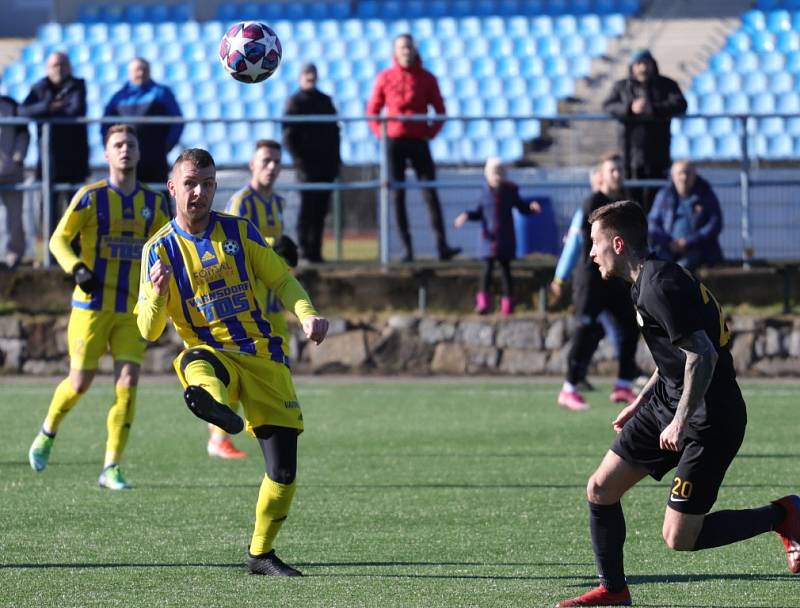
261	205
112	218
201	271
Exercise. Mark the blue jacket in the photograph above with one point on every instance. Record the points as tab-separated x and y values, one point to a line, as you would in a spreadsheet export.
496	238
705	224
155	141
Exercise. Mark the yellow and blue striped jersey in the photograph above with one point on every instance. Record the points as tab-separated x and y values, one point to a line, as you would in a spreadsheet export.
112	229
212	297
267	215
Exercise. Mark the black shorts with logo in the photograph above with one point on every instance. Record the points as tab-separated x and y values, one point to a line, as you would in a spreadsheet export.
701	464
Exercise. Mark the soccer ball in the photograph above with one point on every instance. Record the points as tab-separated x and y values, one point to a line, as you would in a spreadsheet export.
250	51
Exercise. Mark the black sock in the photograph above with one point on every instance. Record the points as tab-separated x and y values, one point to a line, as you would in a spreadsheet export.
726	527
607	528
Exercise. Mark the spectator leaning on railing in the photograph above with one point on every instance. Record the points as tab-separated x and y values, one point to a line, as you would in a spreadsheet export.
407	88
14	141
60	95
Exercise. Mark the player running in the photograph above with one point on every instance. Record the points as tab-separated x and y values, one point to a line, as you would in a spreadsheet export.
690	415
261	205
112	219
201	270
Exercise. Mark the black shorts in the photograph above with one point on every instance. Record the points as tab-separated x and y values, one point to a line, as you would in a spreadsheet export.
701	465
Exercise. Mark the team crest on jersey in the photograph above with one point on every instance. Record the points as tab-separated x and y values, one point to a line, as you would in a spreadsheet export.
147	213
230	247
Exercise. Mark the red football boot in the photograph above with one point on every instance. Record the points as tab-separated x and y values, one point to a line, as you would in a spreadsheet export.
599	596
622	394
789	531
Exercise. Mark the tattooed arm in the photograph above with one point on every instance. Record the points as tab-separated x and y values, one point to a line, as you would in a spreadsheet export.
701	358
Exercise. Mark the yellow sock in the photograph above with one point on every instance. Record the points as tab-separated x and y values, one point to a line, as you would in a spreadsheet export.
64	399
274	500
216	433
201	373
118	423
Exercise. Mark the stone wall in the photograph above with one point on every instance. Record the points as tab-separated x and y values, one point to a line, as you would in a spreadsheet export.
409	344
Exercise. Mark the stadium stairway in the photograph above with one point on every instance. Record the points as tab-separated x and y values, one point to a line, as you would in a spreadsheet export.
681	34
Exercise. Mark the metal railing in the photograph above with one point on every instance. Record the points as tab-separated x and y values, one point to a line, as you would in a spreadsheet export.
384	185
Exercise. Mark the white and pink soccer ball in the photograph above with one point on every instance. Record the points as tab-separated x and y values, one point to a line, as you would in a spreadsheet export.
250	51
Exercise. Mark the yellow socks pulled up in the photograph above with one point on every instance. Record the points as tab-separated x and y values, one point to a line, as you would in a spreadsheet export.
274	501
64	399
118	422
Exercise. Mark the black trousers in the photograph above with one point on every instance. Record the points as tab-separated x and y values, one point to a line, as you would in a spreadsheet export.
418	153
592	295
644	195
314	206
505	275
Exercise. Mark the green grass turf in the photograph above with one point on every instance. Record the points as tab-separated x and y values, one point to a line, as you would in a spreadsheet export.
409	495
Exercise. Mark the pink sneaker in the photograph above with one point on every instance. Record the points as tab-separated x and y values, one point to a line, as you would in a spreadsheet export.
572	400
622	394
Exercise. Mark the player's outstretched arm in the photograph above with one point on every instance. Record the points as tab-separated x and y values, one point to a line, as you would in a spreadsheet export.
315	328
151	309
701	359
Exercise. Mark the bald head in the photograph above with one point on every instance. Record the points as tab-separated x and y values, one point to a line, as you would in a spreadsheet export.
58	68
683	176
138	71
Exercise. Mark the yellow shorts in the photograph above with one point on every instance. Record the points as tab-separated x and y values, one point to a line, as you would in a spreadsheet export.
264	388
91	333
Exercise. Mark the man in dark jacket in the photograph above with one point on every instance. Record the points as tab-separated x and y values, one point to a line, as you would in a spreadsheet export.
141	96
314	147
404	89
60	95
644	103
686	220
13	147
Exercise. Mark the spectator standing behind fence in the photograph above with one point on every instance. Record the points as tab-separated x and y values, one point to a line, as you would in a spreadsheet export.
314	147
14	141
407	88
142	96
591	296
497	241
686	219
60	95
644	104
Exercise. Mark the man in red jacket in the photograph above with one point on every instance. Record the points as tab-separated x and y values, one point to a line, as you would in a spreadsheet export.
404	89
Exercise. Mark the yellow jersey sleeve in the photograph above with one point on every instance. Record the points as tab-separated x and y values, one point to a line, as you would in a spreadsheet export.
151	308
77	215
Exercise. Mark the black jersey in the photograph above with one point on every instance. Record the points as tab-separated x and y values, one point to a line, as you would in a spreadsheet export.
671	304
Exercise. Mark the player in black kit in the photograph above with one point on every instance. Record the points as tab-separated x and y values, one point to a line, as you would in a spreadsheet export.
689	415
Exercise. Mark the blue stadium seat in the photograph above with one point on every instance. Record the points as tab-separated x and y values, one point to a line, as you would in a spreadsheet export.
792	64
97	33
780	146
782	82
440	149
721	63
703	83
728	82
596	45
49	33
538	85
738	42
33	54
305	30
492	86
515	87
574	45
429	48
694	126
613	25
520	106
501	46
763	42
189	109
590	25
788	103
214	132
472	107
135	13
496	107
14	74
511	149
438	8
112	13
529	129
711	103
779	21
762	103
206	90
477	48
482	67
702	147
507	67
788	42
747	62
556	65
541	26
721	125
459	67
74	33
89	13
565	25
737	103
504	128
239	132
793	126
754	20
108	72
446	28
548	46
563	86
453	129
545	106
222	153
771	125
517	27
755	82
143	32
524	47
159	13
728	146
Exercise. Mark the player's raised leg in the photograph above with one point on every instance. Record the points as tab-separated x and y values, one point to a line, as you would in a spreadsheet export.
66	395
206	394
279	446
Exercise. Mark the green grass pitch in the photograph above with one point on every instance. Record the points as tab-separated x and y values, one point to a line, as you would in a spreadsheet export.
410	494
